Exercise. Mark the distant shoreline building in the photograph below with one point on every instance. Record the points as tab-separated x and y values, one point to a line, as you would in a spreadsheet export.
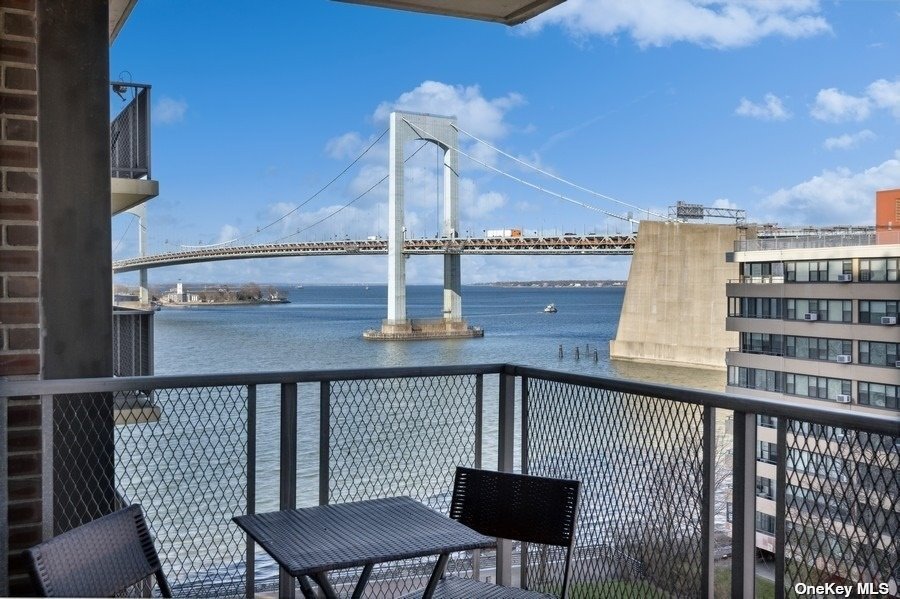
817	319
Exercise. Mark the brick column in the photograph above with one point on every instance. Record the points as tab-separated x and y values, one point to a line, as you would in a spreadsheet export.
20	339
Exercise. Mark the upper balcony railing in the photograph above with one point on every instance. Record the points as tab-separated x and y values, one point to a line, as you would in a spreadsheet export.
788	239
655	471
129	132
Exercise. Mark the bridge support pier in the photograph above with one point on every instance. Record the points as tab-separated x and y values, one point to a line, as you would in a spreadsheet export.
408	126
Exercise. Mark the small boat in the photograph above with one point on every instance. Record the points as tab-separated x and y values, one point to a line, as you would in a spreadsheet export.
550	309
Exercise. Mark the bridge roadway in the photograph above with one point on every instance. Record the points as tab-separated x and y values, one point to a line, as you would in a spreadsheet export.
561	245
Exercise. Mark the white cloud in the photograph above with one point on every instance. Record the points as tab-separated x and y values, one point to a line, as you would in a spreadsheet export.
838	196
724	203
708	23
481	116
772	110
227	233
886	94
348	145
169	110
835	106
848	140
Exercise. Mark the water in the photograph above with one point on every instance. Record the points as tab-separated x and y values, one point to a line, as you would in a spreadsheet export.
322	329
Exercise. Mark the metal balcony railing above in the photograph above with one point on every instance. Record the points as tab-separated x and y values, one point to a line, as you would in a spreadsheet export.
129	131
649	457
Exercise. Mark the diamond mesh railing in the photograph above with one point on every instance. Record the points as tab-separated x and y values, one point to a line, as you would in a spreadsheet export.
402	436
640	463
195	451
179	452
841	508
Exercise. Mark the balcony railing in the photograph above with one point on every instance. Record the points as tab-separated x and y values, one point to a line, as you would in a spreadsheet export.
132	342
129	132
214	446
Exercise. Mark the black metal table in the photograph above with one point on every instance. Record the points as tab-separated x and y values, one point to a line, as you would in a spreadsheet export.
310	542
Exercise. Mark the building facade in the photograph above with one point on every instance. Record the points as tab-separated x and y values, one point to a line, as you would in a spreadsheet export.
817	320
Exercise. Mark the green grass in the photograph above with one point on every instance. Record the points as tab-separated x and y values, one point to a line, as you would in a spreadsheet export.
614	589
765	588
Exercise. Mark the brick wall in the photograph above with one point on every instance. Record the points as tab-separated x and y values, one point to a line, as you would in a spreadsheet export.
20	339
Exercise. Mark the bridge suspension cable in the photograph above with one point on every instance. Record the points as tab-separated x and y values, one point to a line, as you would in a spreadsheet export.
523	181
557	178
302	204
348	204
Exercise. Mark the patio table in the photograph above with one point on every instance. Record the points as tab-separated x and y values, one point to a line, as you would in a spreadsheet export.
310	542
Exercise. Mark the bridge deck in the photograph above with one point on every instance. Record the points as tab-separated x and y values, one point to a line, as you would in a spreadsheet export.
564	244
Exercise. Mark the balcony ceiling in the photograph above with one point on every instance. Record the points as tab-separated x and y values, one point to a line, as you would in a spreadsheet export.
508	12
118	14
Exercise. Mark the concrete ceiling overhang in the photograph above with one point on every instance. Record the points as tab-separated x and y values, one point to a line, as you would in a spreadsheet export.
508	12
118	14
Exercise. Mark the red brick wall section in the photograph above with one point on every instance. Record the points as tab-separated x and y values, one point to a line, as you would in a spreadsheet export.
20	339
19	263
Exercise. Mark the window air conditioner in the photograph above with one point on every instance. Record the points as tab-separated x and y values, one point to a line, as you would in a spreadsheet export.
844	359
888	320
843	398
811	316
844	278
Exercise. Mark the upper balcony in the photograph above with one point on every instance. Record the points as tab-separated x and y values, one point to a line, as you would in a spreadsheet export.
655	462
129	147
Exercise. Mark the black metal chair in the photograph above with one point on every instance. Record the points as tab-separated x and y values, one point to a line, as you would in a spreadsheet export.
99	559
518	507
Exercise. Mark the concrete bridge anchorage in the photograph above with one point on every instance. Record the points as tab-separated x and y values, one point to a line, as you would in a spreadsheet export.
441	131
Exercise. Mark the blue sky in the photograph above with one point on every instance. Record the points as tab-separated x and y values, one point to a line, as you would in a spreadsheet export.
789	109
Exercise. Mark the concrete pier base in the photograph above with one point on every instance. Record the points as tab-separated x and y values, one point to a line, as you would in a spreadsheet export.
439	328
675	303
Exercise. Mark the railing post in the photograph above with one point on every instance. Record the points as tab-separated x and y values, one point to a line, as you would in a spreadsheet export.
288	470
781	481
250	559
708	504
523	548
4	501
505	449
479	418
324	441
743	529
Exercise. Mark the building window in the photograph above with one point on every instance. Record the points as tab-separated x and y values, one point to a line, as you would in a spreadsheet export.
756	378
878	395
818	387
816	271
766	421
871	311
823	309
765	523
762	272
816	348
766	452
755	307
876	353
762	343
765	488
878	270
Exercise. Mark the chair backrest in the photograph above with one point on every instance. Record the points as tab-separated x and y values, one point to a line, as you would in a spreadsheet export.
525	508
99	559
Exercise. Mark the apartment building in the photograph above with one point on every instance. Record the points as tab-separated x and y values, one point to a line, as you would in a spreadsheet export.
817	318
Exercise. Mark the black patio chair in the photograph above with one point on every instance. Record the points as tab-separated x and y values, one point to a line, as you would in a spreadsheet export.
99	559
530	509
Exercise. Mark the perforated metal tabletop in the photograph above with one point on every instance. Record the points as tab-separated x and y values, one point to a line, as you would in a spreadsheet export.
315	540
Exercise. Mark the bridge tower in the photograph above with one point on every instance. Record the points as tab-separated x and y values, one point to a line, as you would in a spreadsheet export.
441	131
